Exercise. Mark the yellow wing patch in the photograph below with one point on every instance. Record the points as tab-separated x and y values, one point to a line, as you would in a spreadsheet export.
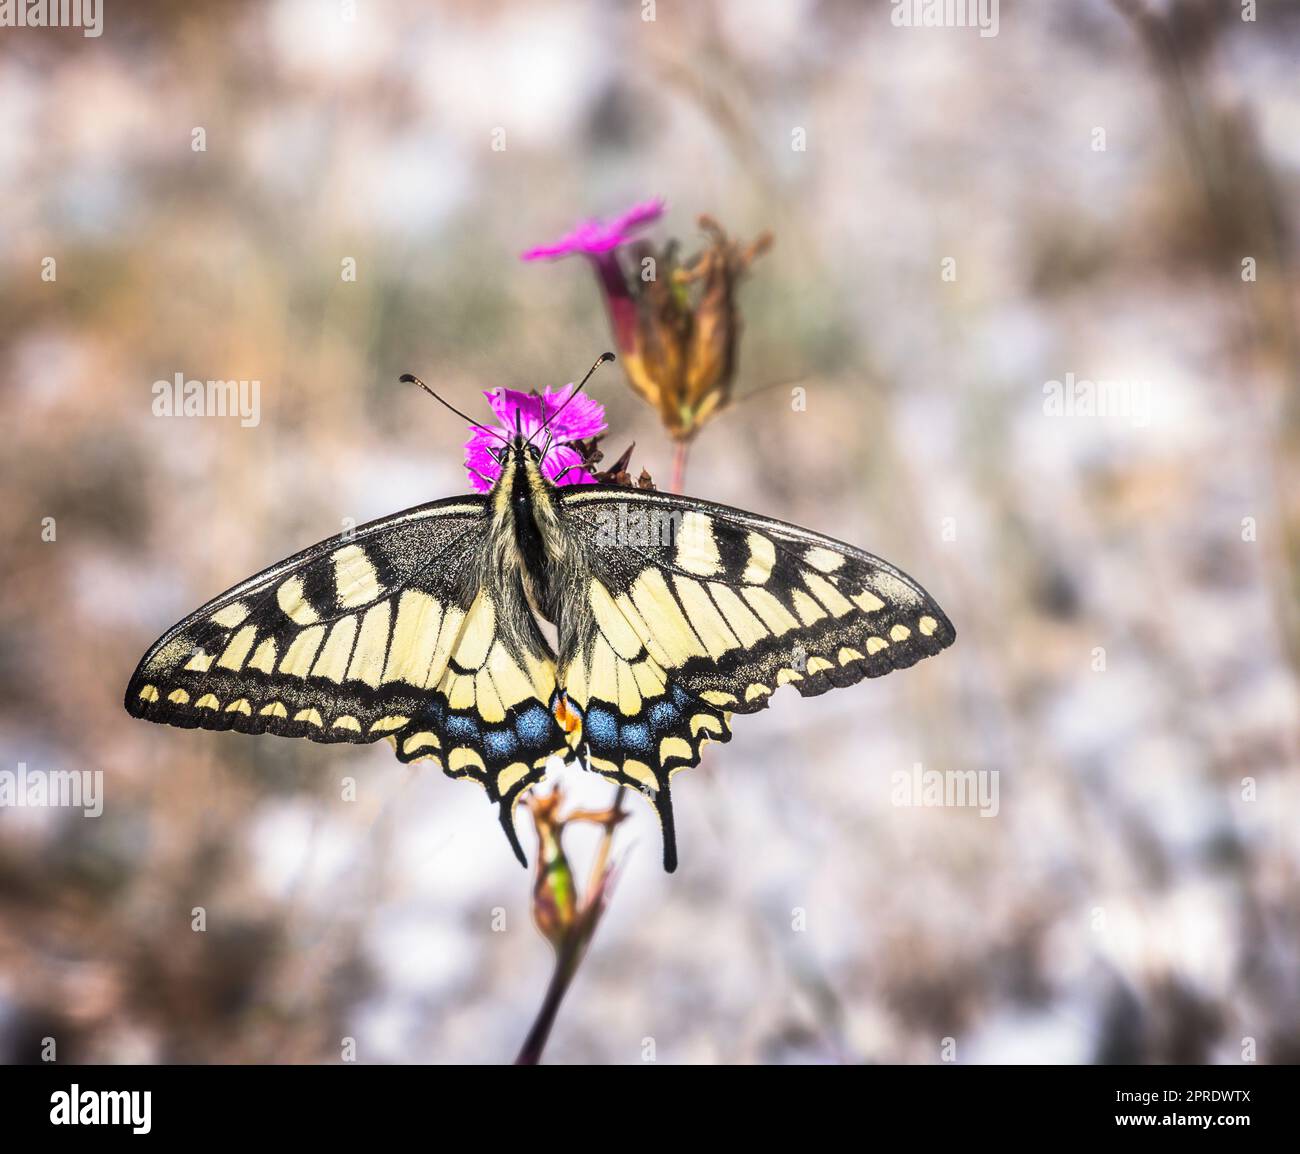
356	581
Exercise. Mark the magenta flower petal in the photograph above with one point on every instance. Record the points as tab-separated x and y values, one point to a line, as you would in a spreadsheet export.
531	409
583	417
563	459
592	237
646	212
479	459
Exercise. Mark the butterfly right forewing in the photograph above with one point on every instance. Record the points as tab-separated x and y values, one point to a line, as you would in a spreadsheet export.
697	611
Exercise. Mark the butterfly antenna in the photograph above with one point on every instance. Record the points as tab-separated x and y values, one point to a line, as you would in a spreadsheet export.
412	379
603	359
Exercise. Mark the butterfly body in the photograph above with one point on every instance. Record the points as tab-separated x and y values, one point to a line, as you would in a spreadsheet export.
671	614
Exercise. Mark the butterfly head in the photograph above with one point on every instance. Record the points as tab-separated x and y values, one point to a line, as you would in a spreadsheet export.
517	454
520	463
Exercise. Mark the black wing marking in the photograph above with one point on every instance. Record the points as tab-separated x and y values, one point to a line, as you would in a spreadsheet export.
698	611
386	634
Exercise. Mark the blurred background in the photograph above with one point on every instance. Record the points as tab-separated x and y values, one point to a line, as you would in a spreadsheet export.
954	236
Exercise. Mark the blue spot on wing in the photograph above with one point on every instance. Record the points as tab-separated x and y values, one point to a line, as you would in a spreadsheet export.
534	726
636	737
500	744
601	726
461	728
663	715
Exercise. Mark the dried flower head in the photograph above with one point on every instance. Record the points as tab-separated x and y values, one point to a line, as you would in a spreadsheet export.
676	322
619	473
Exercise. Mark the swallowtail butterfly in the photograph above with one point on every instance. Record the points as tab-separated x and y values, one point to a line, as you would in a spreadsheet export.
672	614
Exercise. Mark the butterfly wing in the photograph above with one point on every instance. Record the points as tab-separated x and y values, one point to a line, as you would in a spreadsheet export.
695	611
389	634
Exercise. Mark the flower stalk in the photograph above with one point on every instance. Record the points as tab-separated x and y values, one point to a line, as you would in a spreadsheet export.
565	918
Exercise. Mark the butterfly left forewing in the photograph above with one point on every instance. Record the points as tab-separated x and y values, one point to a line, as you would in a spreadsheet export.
389	634
321	644
698	611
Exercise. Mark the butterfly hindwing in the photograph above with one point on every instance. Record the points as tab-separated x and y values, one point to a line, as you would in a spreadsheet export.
389	634
696	611
638	724
489	718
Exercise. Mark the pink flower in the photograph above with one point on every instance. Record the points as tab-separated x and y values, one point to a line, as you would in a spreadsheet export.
599	241
582	418
592	237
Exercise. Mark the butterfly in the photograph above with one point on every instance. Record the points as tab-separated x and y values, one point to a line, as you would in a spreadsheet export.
671	615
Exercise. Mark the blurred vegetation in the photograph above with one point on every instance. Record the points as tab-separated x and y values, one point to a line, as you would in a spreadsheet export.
1127	904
